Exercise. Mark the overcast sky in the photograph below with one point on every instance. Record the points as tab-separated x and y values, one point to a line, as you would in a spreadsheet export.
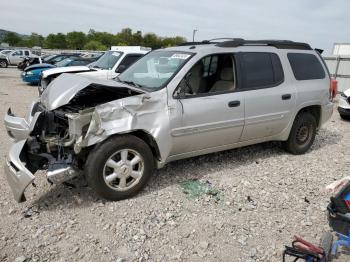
318	22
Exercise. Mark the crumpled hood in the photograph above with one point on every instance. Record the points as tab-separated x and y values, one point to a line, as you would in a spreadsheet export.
67	86
67	69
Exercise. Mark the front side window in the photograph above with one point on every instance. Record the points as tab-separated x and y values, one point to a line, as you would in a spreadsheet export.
26	53
155	69
17	53
210	75
306	66
260	70
108	60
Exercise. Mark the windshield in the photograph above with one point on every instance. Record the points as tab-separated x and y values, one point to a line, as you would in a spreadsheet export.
155	69
108	60
64	62
48	58
5	52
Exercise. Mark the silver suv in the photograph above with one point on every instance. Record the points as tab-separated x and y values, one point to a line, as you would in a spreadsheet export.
171	104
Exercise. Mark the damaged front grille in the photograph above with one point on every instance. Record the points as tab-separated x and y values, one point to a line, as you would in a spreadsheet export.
38	107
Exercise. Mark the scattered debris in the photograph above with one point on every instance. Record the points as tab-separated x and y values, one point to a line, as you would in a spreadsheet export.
195	188
28	212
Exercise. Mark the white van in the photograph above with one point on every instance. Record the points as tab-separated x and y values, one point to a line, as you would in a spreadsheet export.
108	66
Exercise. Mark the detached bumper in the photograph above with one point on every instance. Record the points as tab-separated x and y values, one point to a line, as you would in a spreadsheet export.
19	128
18	176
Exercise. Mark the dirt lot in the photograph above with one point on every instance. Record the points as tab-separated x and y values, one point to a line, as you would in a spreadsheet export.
263	196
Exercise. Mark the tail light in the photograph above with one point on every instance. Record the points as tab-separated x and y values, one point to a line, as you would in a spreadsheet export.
333	89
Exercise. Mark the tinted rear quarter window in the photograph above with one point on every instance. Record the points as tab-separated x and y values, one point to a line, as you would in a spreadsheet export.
261	70
306	66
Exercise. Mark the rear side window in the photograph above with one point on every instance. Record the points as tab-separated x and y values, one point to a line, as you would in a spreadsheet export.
261	70
306	66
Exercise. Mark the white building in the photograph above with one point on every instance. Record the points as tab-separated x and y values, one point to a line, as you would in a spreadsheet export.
339	65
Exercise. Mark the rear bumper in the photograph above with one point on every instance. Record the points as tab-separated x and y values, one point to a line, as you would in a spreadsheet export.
326	112
19	128
17	175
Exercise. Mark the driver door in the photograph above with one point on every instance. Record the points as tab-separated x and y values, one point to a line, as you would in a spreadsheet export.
207	120
16	57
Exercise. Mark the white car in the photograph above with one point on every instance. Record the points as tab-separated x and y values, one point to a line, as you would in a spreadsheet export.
108	66
344	104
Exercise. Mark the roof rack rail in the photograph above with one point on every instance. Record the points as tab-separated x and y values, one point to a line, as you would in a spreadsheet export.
211	41
280	44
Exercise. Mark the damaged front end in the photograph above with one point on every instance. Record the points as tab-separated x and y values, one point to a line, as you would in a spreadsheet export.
52	135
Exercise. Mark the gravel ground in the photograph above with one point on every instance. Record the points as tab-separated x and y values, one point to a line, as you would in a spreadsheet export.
265	196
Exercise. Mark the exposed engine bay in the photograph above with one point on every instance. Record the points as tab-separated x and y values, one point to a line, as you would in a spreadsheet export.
51	142
63	126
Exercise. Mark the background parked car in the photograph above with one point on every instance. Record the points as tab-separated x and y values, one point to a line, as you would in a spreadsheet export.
32	74
344	105
15	57
108	66
5	51
28	61
59	57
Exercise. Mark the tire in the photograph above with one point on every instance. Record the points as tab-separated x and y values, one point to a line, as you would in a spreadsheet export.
109	169
326	244
3	64
302	134
344	117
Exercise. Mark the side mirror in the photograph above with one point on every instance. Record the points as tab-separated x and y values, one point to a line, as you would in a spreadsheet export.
120	69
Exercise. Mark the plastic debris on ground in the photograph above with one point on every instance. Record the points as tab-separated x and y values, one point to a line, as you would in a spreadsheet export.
196	189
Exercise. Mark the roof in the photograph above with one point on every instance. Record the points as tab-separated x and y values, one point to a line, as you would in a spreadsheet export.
235	42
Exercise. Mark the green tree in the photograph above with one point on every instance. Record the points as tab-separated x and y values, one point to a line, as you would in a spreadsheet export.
12	39
124	37
35	40
152	40
94	45
56	41
76	40
171	41
104	38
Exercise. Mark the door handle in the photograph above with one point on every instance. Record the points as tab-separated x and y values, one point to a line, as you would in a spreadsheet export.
234	103
286	96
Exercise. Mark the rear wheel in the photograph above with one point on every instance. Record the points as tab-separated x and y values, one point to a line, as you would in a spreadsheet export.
302	135
3	63
119	167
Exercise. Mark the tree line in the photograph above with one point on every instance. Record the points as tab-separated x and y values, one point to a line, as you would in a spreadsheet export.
93	40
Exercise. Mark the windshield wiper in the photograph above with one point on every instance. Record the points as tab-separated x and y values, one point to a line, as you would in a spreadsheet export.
129	83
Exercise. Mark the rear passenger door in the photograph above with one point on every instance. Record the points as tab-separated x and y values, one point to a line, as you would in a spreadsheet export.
269	96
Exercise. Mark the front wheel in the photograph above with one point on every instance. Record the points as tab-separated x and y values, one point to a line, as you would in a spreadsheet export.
3	63
302	134
119	167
